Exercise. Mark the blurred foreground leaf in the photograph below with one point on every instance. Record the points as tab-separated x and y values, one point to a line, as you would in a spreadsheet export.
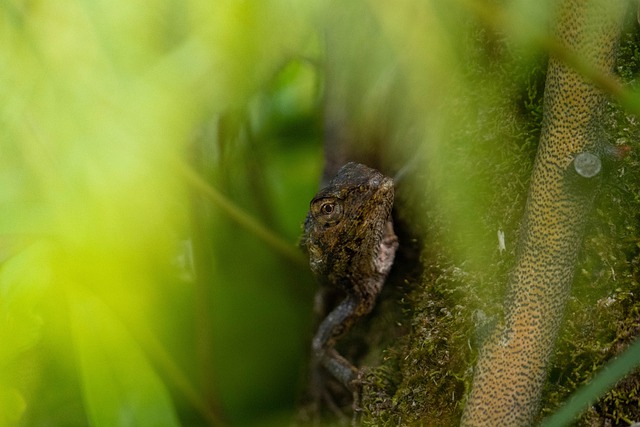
22	280
12	406
120	386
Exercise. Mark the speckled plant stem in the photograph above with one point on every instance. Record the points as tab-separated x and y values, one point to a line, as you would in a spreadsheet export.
512	366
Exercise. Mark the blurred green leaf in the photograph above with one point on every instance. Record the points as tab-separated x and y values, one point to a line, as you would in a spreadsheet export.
22	281
120	386
12	406
23	278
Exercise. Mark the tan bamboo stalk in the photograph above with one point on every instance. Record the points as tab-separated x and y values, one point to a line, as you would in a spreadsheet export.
512	365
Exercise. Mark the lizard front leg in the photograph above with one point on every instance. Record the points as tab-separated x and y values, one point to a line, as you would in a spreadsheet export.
336	324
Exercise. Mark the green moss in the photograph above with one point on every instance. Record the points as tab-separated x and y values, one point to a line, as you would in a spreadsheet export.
425	374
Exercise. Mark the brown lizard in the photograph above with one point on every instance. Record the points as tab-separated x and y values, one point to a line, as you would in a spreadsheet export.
349	237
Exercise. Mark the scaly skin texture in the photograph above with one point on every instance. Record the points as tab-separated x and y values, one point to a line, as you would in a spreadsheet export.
512	366
349	237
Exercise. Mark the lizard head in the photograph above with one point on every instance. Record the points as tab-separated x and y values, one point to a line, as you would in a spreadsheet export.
346	225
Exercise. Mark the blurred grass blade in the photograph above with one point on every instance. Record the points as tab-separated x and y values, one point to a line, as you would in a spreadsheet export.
23	277
120	386
599	385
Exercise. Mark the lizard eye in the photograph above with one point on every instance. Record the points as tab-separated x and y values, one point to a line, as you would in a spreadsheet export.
327	210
